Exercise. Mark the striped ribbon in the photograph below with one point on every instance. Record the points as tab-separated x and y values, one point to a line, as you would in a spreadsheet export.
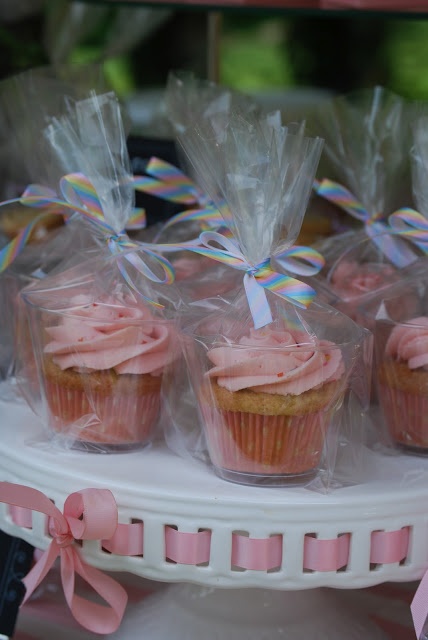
169	183
412	225
80	196
378	231
208	217
44	198
261	277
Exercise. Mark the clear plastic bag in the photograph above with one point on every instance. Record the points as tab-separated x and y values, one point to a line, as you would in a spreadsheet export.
100	336
28	101
270	376
367	148
400	319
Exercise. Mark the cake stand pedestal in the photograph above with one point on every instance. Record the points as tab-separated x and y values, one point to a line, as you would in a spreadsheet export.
195	528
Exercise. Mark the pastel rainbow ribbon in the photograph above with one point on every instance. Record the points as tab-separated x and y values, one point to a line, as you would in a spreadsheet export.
44	198
261	277
412	225
208	217
378	231
80	196
169	183
90	514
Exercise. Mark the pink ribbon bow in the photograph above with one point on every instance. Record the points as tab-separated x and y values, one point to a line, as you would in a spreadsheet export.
90	514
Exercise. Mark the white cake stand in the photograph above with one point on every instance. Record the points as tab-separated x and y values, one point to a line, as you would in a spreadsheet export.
173	498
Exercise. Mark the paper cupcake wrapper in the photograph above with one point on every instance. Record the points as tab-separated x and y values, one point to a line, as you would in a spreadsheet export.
263	444
115	419
406	416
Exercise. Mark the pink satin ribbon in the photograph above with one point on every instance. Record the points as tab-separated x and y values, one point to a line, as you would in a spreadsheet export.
21	517
326	555
388	547
127	540
187	548
90	514
257	554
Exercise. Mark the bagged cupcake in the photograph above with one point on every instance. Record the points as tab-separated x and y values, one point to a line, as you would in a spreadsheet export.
367	148
27	102
101	333
400	364
269	367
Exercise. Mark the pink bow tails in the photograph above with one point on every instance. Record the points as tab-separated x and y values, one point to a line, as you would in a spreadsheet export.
90	514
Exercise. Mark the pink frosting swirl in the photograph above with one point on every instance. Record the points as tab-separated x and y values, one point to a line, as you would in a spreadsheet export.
410	344
107	335
352	280
278	362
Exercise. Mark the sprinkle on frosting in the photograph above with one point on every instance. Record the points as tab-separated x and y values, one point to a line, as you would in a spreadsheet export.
277	362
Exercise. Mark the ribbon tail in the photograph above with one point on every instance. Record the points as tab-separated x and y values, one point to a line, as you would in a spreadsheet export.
419	606
258	303
340	196
40	570
95	617
171	192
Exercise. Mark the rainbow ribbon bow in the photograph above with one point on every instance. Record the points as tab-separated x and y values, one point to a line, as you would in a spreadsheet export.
90	514
398	252
208	217
80	196
261	277
410	224
169	183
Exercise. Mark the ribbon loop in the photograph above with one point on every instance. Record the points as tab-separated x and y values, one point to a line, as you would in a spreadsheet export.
303	261
208	217
80	196
410	224
90	514
169	183
257	278
343	198
377	230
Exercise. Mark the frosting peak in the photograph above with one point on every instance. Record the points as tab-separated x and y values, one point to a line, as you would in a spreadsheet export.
277	362
352	280
410	344
106	335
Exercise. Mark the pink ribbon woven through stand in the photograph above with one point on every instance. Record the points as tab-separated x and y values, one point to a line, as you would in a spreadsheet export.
90	514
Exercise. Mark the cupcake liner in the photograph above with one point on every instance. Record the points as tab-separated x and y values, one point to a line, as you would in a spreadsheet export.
107	419
406	416
265	444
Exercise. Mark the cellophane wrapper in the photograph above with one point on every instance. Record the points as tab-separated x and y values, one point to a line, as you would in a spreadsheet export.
400	319
265	420
101	329
28	100
366	150
419	162
189	99
33	265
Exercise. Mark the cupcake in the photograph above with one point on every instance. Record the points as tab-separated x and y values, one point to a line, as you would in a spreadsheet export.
353	283
102	368
403	384
267	404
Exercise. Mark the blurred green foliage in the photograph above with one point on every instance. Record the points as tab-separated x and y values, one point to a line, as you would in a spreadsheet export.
406	55
259	51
